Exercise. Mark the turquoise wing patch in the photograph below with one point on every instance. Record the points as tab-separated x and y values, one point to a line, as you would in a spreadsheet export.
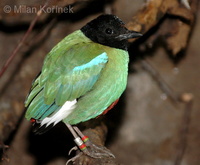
80	80
99	60
61	84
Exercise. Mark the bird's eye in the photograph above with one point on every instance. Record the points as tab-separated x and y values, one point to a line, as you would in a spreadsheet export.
109	31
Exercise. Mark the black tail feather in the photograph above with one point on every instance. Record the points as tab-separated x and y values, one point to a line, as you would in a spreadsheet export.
39	129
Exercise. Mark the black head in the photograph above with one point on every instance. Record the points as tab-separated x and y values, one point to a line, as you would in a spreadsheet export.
109	30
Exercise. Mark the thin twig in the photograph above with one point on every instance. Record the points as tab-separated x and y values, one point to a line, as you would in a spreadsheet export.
162	84
187	99
15	51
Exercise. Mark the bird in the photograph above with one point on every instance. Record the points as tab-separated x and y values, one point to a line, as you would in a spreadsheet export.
82	77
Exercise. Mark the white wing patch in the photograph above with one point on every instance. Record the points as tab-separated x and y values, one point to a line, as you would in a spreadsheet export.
64	111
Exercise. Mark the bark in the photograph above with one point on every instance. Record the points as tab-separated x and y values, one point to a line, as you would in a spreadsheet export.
175	22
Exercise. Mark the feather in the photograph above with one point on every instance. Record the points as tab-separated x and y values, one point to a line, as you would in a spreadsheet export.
62	113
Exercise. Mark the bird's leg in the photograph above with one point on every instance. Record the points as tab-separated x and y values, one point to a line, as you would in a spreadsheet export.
93	150
79	142
86	146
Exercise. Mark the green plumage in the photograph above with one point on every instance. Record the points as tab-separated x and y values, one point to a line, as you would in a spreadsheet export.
78	68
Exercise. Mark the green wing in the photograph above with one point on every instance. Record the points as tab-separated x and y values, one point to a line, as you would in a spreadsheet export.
68	73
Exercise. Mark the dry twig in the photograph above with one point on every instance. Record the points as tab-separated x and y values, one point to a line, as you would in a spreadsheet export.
187	99
19	45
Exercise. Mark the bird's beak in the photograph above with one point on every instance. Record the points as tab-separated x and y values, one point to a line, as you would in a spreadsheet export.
129	34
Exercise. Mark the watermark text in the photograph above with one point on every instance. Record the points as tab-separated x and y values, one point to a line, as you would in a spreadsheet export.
24	9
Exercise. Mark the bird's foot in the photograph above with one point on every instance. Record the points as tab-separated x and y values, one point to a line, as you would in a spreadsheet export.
87	147
90	150
95	151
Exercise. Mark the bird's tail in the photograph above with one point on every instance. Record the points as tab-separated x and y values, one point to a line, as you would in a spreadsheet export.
39	129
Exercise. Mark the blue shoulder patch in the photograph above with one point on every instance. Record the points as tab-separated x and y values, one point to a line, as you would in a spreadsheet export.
102	58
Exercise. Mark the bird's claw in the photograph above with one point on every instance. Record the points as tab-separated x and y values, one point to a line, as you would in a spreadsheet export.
75	148
92	151
74	158
95	151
